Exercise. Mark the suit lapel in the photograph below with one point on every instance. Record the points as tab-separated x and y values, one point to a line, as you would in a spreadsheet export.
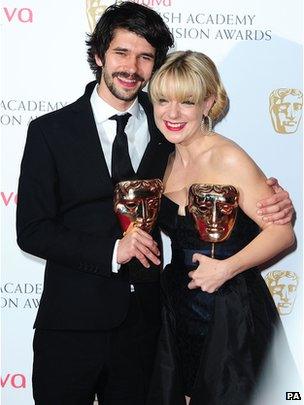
87	135
157	149
154	160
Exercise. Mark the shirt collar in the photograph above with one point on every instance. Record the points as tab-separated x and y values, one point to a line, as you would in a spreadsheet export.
103	111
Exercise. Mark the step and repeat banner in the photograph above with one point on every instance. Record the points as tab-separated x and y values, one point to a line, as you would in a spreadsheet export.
257	47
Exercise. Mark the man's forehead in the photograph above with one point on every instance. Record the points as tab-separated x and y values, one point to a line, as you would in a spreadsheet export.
122	36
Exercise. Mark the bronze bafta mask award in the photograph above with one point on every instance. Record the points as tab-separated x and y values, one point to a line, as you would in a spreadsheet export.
137	202
214	208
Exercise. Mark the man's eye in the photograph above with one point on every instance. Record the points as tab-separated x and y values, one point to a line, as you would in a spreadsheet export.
147	57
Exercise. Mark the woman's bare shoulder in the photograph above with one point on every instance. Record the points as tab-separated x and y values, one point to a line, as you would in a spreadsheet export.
230	152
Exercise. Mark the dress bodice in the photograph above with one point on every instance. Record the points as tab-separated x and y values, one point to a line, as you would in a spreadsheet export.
183	234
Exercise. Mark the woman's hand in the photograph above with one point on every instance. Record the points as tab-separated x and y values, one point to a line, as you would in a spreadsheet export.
210	275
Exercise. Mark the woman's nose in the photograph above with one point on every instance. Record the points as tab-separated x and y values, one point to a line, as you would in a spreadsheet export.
173	111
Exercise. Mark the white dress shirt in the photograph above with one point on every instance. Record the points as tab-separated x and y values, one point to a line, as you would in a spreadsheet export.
136	130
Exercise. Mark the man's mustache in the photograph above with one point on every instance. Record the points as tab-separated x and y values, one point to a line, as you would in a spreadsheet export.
127	75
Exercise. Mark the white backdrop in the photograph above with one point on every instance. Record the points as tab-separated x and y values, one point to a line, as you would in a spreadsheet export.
257	47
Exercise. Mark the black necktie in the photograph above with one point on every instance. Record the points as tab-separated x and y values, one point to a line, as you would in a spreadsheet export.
121	165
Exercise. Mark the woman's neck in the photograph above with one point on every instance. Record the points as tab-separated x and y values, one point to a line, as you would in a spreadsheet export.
187	153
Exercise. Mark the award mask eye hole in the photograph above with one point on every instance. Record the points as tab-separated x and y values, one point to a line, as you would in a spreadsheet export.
278	289
297	106
130	204
205	205
282	108
204	208
152	201
226	209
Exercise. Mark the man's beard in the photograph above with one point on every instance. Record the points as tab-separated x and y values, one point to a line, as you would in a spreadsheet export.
124	95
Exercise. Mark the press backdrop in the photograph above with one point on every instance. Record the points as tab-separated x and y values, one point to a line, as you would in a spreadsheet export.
257	47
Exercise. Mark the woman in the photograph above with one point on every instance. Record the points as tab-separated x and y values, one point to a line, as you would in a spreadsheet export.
219	320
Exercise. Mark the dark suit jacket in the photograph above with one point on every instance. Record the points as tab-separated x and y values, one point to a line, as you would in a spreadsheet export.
65	215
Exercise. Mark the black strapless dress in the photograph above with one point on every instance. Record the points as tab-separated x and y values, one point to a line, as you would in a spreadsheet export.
212	346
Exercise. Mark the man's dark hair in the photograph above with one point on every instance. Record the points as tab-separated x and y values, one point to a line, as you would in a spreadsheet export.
135	18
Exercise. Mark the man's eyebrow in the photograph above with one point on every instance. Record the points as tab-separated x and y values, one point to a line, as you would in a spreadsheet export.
119	48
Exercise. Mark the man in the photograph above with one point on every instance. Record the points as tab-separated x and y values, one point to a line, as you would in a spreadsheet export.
98	318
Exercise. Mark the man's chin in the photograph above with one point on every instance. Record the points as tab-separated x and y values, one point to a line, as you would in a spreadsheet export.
126	95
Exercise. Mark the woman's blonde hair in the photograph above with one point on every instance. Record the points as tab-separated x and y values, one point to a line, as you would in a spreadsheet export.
189	75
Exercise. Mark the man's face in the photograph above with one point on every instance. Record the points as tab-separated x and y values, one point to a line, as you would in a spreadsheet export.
214	210
126	68
284	292
286	113
137	203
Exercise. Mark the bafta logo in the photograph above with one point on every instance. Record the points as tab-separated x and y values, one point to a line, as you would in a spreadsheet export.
285	107
283	287
95	9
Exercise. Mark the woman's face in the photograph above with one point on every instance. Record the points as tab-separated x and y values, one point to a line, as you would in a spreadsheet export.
179	121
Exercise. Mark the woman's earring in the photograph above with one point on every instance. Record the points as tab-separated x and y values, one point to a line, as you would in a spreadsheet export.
209	124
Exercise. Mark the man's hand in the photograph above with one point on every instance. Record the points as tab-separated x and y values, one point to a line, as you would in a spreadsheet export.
278	208
138	243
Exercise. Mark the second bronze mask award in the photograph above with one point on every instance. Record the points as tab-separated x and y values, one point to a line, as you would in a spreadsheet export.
214	209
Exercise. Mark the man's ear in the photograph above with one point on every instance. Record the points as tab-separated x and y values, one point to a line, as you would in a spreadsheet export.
98	60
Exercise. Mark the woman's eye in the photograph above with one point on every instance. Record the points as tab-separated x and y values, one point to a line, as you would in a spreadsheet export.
188	102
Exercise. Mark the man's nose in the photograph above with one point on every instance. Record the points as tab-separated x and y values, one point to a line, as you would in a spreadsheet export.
131	64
